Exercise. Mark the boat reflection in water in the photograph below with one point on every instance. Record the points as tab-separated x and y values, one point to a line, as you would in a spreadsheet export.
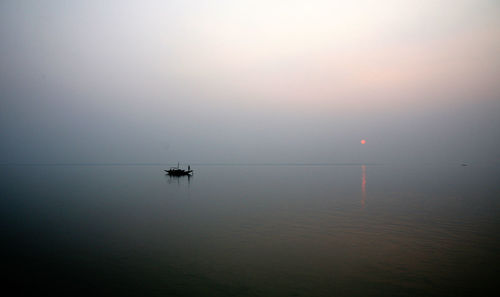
179	178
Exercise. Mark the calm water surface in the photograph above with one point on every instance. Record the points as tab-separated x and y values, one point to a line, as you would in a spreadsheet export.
351	230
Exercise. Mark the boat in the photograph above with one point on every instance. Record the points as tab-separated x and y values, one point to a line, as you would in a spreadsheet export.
177	171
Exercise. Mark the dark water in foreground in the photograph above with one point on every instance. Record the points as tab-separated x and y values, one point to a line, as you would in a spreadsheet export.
251	230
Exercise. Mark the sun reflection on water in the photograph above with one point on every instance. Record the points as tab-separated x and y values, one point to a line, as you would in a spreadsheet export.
363	185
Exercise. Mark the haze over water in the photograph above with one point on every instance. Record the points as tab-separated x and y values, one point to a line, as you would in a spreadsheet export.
339	128
249	81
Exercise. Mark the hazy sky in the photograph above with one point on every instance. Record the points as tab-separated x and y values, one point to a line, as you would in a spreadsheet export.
249	81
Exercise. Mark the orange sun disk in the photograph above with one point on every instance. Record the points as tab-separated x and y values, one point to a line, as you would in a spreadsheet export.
363	141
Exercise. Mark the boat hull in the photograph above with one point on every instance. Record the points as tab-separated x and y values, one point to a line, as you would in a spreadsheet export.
179	172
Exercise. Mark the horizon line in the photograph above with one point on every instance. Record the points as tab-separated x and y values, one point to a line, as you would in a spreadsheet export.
192	164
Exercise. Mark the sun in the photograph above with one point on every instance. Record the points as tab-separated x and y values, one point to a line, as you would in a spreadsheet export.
363	141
